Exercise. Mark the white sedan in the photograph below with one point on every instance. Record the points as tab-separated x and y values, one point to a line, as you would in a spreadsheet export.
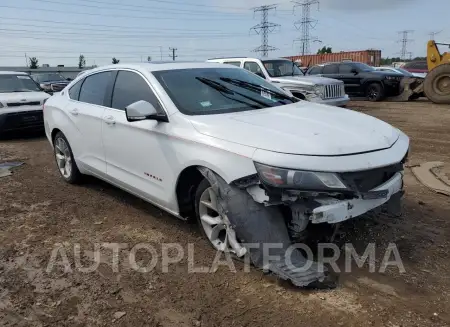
222	145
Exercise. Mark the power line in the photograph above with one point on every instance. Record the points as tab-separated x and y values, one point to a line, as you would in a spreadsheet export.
305	23
264	28
404	41
173	53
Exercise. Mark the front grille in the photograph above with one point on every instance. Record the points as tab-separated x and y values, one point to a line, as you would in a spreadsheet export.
18	104
334	91
23	120
364	181
57	87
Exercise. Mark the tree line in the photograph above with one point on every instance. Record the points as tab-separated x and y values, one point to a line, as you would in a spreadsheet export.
33	62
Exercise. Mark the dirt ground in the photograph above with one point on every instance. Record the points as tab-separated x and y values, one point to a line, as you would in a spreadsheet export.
38	210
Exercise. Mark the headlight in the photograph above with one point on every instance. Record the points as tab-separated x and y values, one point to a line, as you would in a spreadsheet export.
319	90
308	180
46	87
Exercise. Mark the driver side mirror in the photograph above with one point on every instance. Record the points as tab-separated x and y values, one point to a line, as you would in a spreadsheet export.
354	71
143	110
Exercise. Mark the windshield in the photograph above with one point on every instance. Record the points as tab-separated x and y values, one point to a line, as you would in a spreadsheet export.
205	91
49	77
17	83
279	68
363	67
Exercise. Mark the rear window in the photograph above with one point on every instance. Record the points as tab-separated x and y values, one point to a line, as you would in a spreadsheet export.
234	63
417	65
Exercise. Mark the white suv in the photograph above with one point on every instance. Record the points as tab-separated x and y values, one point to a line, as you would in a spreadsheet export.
219	144
21	102
286	75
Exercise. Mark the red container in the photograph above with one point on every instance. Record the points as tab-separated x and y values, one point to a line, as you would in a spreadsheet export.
370	57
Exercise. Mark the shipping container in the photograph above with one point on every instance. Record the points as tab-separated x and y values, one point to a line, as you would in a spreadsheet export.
370	57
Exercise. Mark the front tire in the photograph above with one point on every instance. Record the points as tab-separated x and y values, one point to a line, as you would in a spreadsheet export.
65	160
374	92
214	226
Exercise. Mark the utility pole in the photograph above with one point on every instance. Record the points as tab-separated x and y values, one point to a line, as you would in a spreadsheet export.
306	23
26	60
404	41
173	53
433	34
264	28
160	51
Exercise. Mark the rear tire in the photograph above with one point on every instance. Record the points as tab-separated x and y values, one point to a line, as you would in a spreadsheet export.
374	92
437	84
65	160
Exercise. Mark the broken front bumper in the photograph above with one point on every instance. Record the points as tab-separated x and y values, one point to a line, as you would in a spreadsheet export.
334	211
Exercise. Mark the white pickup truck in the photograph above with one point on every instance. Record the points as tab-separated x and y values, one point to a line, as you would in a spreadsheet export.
286	75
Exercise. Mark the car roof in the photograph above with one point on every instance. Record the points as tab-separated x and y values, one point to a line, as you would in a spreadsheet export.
153	66
7	72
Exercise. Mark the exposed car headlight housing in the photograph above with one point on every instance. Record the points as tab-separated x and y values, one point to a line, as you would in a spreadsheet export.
319	90
307	180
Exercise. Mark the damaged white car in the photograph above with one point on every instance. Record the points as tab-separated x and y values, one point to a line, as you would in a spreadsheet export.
219	144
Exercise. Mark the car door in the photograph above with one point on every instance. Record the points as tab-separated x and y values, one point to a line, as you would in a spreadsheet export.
85	110
351	79
135	151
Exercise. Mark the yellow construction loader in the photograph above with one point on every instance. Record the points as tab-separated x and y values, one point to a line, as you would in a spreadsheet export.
436	85
437	82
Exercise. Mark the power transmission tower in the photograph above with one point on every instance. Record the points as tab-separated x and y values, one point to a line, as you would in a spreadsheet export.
264	28
306	23
404	41
173	53
433	34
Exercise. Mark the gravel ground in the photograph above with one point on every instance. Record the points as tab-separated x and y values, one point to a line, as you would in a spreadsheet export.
38	210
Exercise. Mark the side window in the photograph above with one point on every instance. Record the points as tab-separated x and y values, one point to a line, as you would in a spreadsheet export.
94	88
315	70
130	88
74	91
254	68
330	69
345	69
234	63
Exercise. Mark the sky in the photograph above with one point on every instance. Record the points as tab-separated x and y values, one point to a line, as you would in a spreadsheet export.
58	31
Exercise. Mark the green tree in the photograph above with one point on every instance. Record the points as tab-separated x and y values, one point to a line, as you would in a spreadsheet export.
324	50
115	61
34	63
81	62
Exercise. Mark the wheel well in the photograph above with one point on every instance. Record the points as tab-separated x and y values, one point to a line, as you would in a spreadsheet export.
298	95
373	82
187	185
54	132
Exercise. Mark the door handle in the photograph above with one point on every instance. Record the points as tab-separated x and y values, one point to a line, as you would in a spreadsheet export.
109	120
74	111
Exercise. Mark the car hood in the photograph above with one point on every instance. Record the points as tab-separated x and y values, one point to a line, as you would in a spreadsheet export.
301	128
23	96
306	80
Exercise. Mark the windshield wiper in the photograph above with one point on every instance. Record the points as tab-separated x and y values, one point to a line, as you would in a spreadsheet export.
255	87
222	88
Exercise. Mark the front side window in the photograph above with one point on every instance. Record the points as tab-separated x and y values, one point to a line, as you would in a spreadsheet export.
330	69
203	91
315	70
94	88
254	68
345	69
17	83
279	68
130	88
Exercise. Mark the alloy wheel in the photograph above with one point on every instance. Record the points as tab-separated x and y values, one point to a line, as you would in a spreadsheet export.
63	157
216	226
